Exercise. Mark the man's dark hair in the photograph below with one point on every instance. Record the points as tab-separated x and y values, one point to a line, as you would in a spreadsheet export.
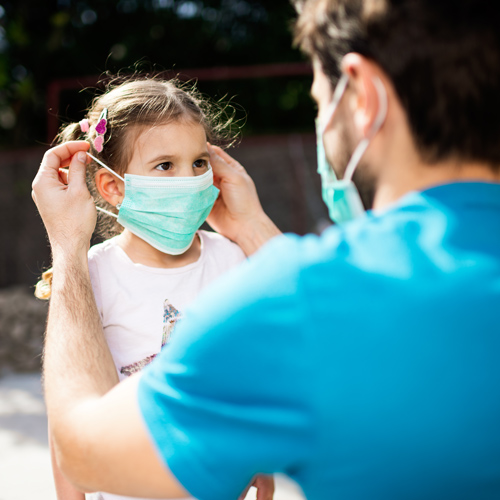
443	57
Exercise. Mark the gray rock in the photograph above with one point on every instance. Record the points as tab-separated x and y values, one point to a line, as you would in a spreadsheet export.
22	325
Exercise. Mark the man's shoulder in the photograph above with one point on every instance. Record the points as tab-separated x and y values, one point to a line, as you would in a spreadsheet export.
268	281
374	245
341	246
291	273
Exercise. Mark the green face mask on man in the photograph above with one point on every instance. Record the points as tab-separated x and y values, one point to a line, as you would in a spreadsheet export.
341	195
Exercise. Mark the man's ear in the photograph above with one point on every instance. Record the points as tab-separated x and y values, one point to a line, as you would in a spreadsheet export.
110	187
363	98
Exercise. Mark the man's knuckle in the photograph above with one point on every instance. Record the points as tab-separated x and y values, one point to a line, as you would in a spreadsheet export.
47	156
36	183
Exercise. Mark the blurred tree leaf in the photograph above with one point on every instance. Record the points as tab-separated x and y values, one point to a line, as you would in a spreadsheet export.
17	33
74	38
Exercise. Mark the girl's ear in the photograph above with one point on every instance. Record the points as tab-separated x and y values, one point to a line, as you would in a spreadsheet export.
110	187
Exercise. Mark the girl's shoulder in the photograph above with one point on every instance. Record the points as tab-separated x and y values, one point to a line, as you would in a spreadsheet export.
103	251
214	244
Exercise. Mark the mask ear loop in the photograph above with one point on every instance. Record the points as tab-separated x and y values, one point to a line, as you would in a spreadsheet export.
106	167
324	169
337	95
107	212
379	121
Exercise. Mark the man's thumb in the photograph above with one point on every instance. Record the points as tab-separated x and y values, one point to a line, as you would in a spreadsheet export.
77	170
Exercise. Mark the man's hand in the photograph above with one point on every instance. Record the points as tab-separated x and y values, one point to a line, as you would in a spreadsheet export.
264	485
239	203
237	213
67	210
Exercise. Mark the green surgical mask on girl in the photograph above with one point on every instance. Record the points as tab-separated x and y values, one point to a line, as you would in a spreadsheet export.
165	212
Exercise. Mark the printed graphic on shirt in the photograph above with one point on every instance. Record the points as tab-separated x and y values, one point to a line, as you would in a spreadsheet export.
170	317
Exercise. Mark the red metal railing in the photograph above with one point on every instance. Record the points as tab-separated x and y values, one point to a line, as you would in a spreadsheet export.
202	74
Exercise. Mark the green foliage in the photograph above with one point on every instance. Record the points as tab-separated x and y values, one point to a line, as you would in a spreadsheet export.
44	41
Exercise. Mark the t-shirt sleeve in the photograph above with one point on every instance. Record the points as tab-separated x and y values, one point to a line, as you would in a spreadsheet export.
229	397
223	250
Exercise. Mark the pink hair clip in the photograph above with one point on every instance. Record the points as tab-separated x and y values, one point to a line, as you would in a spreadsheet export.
84	125
100	129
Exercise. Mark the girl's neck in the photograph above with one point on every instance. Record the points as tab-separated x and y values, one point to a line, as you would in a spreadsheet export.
143	253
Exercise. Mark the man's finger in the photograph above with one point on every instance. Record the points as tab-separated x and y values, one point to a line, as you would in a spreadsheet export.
63	175
219	165
224	164
60	156
221	153
77	171
265	487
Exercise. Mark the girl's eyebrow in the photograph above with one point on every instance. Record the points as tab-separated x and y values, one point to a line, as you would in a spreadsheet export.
162	157
168	157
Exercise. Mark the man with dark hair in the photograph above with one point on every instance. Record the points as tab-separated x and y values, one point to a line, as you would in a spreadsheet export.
362	363
442	59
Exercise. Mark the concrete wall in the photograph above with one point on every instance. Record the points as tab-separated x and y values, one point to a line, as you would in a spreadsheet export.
23	246
284	170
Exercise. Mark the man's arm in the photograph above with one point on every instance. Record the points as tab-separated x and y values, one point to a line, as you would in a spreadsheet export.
64	489
99	438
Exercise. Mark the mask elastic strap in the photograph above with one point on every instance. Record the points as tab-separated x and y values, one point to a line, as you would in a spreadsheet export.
379	120
337	95
106	167
107	212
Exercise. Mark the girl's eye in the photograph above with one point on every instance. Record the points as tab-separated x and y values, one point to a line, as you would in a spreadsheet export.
200	164
164	166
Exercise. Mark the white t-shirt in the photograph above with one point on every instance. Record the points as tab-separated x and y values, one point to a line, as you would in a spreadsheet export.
139	305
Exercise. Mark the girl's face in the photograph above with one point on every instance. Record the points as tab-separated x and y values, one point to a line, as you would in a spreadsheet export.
177	149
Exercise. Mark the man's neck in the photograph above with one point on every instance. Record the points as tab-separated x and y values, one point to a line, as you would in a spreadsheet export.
418	176
399	168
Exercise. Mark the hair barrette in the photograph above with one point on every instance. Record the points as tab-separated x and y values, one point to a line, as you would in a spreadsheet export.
100	129
84	125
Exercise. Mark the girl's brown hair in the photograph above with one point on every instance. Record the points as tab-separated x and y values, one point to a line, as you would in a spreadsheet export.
134	103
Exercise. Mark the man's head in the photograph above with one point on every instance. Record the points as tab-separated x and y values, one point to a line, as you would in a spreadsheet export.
440	58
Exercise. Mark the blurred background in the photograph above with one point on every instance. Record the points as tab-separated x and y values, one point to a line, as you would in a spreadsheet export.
54	56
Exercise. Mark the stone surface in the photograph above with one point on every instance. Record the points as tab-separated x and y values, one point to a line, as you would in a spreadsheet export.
22	324
25	470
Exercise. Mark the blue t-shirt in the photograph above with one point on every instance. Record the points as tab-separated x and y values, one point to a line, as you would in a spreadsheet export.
364	363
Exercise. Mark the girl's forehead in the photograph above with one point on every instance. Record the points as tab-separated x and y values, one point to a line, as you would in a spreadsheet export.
175	138
171	132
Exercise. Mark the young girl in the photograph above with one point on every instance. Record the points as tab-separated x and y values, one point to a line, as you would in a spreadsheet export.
150	175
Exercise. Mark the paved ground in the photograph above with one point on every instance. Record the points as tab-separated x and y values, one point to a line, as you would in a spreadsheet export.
25	471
